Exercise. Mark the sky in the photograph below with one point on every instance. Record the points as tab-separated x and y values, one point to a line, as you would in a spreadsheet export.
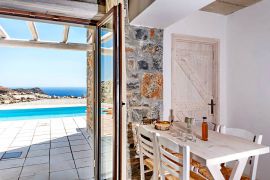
36	67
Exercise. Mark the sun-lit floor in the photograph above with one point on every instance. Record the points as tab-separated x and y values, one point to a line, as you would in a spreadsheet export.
46	149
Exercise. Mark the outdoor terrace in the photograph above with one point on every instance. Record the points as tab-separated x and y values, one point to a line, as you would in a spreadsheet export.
55	148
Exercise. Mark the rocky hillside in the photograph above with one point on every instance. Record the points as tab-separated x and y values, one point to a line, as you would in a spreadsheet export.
106	91
4	90
10	96
29	90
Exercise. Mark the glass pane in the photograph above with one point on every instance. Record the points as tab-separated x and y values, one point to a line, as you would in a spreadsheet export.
77	35
106	96
16	29
49	32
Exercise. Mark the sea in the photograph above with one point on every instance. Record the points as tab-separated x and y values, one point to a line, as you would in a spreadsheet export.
65	91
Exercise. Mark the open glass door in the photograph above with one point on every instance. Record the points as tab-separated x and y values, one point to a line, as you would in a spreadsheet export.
108	92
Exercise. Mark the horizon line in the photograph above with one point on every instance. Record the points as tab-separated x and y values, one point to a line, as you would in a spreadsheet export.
46	86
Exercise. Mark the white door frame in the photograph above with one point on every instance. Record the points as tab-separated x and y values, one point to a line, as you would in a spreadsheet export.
216	73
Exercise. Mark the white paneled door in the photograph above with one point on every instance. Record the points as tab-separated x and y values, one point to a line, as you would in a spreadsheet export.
195	77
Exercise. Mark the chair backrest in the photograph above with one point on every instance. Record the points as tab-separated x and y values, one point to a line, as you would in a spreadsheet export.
252	164
147	148
211	126
169	162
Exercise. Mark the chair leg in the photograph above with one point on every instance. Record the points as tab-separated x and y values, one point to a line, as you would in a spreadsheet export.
155	173
162	177
142	167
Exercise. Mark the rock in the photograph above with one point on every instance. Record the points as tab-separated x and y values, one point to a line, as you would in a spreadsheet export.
153	49
5	90
131	65
156	112
152	33
157	63
141	34
143	65
133	85
6	102
134	101
138	114
134	75
129	49
152	85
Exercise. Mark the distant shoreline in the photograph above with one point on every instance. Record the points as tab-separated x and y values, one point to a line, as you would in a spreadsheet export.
45	103
29	95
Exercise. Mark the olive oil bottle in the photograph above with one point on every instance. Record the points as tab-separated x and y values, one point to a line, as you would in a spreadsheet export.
204	130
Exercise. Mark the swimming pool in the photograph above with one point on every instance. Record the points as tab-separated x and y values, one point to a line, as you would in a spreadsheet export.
42	113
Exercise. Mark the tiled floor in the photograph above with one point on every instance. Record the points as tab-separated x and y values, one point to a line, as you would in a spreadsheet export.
56	149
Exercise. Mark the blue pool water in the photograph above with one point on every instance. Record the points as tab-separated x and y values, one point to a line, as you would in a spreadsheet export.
42	113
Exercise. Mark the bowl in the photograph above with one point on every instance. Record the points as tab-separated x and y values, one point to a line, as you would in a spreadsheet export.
162	125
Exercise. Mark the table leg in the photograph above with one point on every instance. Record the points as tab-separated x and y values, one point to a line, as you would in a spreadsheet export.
215	171
238	169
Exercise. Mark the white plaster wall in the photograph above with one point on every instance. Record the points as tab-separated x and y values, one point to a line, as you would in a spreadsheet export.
248	37
201	24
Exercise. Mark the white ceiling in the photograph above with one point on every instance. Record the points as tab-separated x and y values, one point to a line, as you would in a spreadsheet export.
163	13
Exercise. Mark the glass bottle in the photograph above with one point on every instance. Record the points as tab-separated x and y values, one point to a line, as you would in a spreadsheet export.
204	130
171	117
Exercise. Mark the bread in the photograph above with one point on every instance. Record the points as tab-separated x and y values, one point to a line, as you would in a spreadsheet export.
162	125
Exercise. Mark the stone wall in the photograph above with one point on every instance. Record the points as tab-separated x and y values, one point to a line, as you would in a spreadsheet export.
144	52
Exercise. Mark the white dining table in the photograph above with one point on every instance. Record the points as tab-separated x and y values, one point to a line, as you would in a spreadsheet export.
220	148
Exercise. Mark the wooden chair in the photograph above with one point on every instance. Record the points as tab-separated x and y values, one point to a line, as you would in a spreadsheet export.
211	126
252	164
147	152
174	160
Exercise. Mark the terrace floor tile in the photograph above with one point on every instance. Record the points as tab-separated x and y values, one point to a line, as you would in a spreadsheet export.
59	144
78	142
42	152
83	147
39	147
60	150
61	165
41	176
70	174
61	157
83	154
51	149
84	162
11	163
12	173
35	169
86	173
36	160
